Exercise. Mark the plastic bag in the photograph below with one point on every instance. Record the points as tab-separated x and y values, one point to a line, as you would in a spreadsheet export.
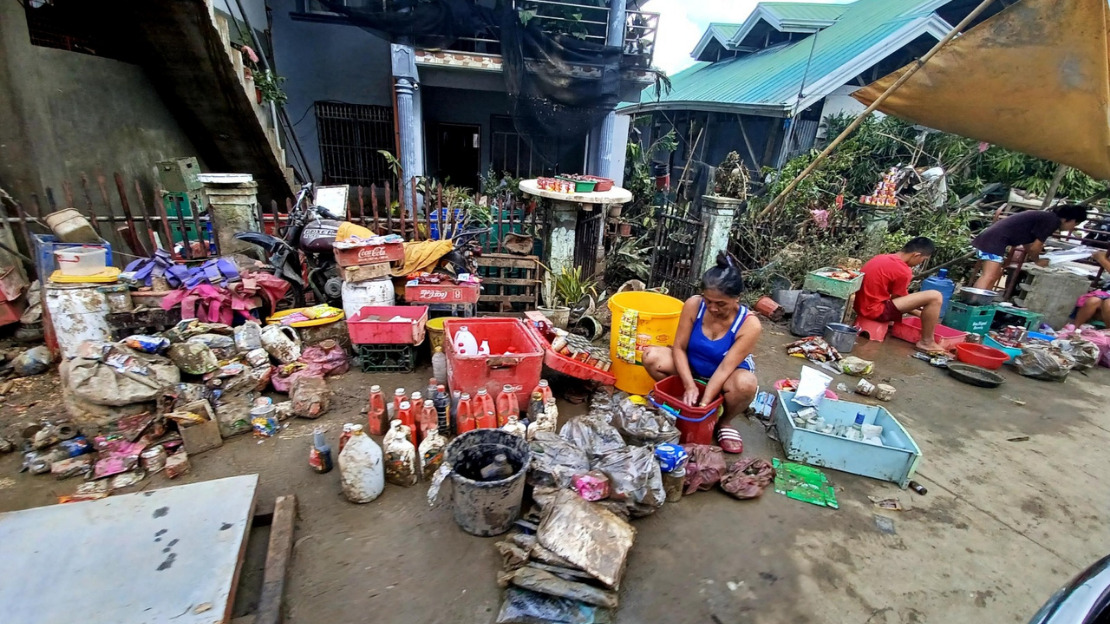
641	425
1043	361
1083	352
811	388
592	434
524	606
1101	339
748	478
634	478
328	357
852	365
555	461
223	347
592	485
704	468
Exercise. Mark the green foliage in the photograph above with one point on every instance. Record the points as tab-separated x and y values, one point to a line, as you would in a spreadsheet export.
637	170
631	257
269	84
571	286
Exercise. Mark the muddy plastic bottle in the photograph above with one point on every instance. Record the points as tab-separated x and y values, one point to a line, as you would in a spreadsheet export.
453	418
428	420
361	470
544	389
439	365
465	419
398	398
442	402
484	411
431	453
430	392
507	405
408	418
346	435
376	413
417	400
515	427
319	456
401	465
536	407
499	469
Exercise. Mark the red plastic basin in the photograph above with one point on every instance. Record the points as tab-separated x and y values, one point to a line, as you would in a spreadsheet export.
981	355
516	357
695	424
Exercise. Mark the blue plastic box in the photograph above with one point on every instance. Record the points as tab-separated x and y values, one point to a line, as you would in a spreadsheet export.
47	244
895	461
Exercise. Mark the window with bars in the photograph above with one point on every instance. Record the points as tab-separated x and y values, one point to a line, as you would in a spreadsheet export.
77	26
350	136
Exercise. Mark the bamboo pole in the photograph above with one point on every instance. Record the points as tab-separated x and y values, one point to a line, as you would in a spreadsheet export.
916	65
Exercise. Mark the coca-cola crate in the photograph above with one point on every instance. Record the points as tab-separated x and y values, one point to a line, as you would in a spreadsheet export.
447	294
354	255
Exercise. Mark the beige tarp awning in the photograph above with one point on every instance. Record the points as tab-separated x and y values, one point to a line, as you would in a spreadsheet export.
1035	78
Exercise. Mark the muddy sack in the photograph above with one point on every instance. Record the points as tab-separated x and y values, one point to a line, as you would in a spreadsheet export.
115	375
748	478
555	461
634	478
193	358
311	397
704	468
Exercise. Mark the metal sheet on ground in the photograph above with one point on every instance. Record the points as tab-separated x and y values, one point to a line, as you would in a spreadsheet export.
165	555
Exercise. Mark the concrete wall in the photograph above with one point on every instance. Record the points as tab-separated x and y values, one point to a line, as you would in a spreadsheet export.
322	61
63	113
840	101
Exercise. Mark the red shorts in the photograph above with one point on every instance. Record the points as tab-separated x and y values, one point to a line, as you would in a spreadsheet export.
890	313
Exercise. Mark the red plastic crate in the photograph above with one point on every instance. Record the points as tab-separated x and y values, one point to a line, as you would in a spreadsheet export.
567	366
446	294
696	424
369	254
909	329
520	368
371	325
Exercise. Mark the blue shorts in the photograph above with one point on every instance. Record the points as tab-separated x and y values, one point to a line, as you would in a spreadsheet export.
982	255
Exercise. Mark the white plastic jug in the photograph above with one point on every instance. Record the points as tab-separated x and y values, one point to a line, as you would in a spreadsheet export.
402	466
282	342
431	453
465	342
361	470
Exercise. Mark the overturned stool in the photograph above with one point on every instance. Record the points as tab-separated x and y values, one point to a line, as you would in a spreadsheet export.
875	330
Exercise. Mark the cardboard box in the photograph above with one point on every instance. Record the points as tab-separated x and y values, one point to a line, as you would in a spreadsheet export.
203	436
367	272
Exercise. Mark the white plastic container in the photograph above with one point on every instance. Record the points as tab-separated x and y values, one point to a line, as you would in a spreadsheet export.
515	427
70	226
400	456
81	261
358	295
465	342
361	470
431	453
282	342
78	312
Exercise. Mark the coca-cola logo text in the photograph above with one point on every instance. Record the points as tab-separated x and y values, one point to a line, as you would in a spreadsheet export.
372	253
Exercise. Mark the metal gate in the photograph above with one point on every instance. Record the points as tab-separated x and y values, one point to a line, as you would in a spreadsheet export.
678	244
587	239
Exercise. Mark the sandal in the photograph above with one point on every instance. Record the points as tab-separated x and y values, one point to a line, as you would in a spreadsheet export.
730	441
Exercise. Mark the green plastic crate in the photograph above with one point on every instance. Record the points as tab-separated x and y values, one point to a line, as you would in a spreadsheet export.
840	289
580	186
1007	315
386	358
971	319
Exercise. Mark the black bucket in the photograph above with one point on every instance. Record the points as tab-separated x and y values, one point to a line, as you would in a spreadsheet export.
487	508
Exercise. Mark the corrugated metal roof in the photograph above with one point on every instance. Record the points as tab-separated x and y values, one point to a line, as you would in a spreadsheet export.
770	79
818	11
724	31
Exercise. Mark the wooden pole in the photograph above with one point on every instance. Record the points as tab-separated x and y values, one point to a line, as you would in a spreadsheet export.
1058	177
916	65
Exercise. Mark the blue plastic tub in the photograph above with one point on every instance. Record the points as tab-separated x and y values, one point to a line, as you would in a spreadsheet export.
1010	351
47	244
895	461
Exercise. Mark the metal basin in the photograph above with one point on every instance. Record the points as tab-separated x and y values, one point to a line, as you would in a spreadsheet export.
976	296
841	337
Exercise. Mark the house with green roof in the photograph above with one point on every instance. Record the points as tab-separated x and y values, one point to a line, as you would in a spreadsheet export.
762	87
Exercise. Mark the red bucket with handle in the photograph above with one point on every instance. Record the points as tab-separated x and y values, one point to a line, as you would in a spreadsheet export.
695	424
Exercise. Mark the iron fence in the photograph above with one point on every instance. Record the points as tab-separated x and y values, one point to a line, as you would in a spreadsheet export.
678	247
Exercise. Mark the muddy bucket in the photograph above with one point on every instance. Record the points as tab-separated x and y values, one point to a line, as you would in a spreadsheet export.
486	508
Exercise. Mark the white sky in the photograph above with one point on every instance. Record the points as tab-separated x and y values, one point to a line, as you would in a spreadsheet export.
682	22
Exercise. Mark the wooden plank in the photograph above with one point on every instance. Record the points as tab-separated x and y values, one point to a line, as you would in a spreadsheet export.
507	261
166	555
277	560
508	298
509	281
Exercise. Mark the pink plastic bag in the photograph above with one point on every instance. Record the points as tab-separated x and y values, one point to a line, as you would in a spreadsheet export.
1102	341
592	485
328	356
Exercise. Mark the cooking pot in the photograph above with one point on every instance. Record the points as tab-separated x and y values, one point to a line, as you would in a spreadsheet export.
976	296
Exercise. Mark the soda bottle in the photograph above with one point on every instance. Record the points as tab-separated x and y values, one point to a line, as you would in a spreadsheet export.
442	402
428	418
536	406
398	398
319	456
464	415
346	435
431	390
544	389
408	418
484	411
507	405
376	412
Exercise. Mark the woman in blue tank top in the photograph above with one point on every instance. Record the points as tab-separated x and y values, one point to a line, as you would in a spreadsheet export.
714	344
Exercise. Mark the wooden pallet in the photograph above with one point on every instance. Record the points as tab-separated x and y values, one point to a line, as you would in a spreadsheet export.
508	278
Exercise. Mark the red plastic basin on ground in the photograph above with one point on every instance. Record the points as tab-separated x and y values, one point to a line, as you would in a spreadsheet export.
695	424
909	329
516	357
371	325
981	355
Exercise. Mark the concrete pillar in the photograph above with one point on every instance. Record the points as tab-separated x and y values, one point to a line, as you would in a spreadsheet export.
718	214
233	209
606	133
406	124
564	221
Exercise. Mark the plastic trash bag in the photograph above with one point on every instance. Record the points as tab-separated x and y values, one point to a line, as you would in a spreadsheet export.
634	478
1084	353
1043	361
328	356
704	468
748	478
524	606
115	375
555	461
642	425
592	434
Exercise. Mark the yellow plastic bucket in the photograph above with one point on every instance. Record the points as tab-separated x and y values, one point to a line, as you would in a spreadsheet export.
655	327
435	333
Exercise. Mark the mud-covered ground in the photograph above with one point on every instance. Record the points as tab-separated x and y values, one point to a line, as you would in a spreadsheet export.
1003	525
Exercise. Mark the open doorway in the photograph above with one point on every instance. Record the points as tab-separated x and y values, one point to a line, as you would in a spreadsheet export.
459	154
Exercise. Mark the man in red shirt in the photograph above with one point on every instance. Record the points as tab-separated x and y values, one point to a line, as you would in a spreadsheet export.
884	296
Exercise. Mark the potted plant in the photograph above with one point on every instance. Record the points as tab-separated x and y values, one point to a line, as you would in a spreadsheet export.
730	184
558	314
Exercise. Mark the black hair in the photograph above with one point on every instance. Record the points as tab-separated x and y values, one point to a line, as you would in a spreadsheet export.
725	277
1071	213
922	245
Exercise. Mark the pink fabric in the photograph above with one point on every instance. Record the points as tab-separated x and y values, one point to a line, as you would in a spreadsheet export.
216	304
1101	294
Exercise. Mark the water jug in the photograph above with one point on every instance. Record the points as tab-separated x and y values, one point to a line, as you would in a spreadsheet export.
507	405
484	411
361	470
940	282
428	420
401	465
465	343
464	416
